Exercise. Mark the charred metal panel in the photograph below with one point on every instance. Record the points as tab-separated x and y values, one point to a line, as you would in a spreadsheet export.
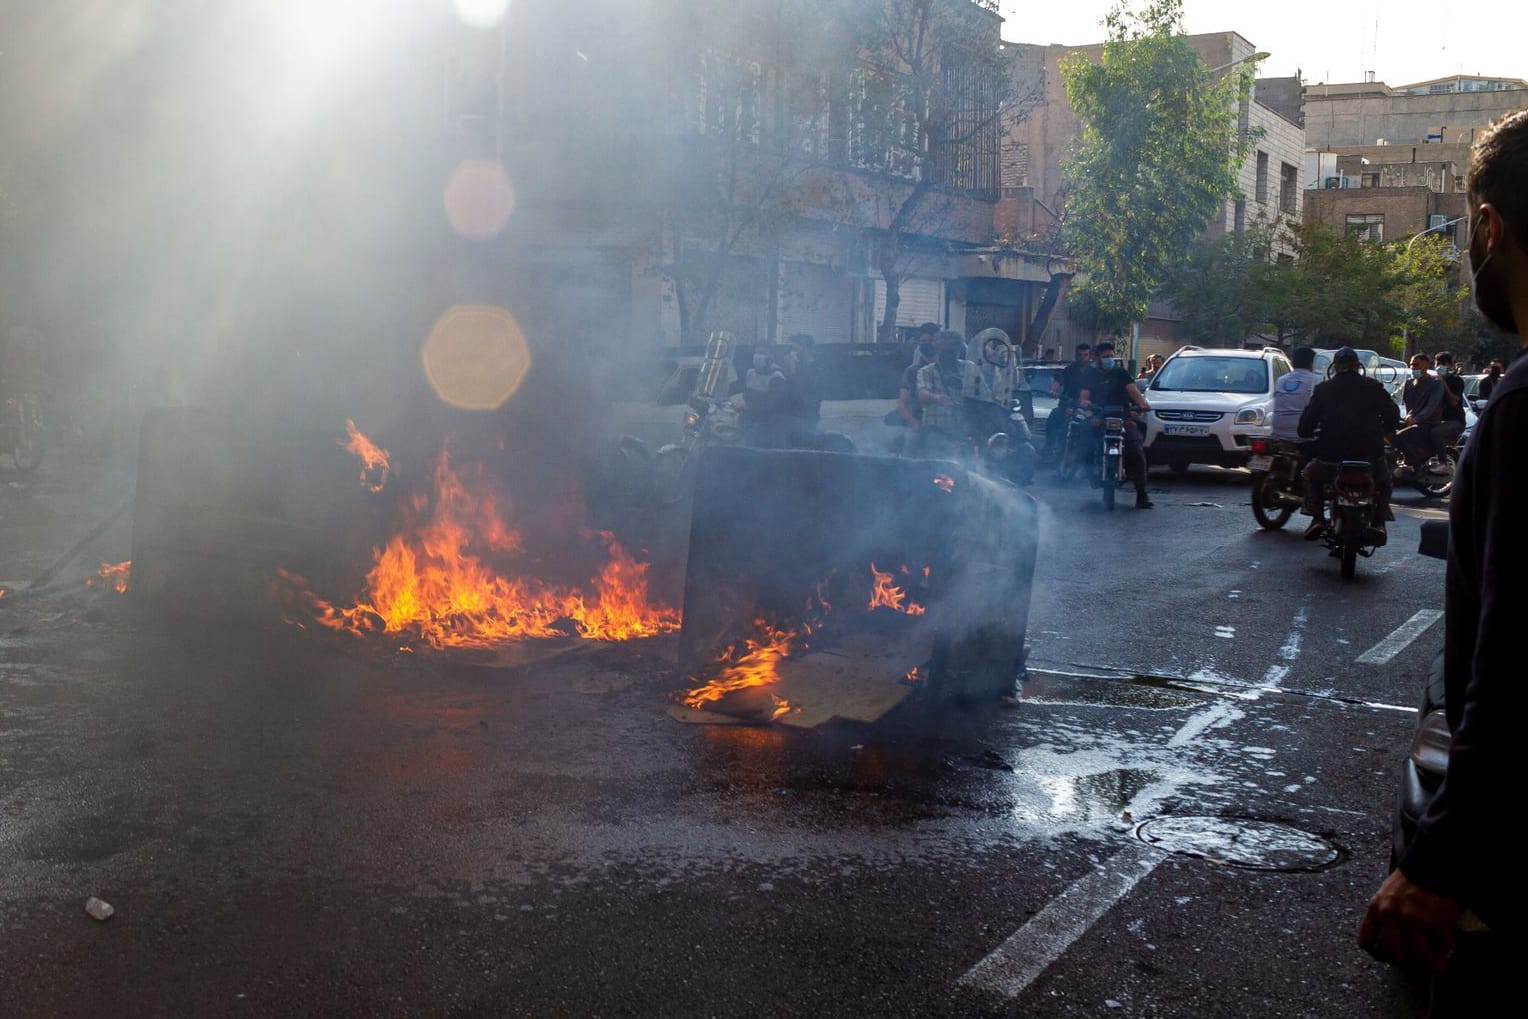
770	525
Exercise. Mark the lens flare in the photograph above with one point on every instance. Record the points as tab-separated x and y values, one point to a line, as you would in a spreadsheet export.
476	357
481	13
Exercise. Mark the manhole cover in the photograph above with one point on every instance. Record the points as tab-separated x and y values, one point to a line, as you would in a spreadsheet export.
1241	842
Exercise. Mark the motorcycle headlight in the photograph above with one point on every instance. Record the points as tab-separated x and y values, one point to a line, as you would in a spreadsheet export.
1250	416
691	419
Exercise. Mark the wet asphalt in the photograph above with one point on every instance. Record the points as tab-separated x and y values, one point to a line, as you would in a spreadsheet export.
288	824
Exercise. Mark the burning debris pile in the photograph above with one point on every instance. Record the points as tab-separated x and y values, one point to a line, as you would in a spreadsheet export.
458	574
116	576
877	620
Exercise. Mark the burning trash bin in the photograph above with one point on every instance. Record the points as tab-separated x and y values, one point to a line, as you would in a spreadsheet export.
825	572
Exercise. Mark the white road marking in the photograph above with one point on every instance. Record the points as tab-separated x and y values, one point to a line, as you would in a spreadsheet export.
1016	963
1404	634
1046	936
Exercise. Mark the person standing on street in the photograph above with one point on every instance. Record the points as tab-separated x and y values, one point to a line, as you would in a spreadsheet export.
1456	902
1488	384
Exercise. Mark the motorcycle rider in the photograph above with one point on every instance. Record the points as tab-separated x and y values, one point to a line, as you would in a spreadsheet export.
1292	394
1066	390
1107	392
942	387
1447	431
1349	416
1423	398
765	394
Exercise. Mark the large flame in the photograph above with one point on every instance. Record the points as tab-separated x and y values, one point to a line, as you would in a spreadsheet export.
439	582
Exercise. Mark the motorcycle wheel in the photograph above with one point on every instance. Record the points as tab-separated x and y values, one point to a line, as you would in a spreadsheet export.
1270	515
672	474
1109	483
27	452
1438	491
1352	537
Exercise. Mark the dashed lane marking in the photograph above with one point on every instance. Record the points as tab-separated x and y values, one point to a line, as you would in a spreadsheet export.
1410	630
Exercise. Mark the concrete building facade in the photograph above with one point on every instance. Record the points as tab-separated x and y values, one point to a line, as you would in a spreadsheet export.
1338	116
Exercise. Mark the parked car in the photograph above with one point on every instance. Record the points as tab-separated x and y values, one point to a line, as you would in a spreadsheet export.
1208	403
1472	392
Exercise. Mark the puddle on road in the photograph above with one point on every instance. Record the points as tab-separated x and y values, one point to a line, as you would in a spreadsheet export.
1129	692
1240	842
1099	796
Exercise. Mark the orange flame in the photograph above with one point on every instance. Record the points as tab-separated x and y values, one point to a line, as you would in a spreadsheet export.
115	575
375	462
887	594
914	676
755	666
944	482
435	582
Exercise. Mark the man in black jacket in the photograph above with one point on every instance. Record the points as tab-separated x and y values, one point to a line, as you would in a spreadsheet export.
1457	901
1349	416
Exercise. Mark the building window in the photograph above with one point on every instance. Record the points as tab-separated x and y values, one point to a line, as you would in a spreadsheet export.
1367	227
1240	214
726	97
1370	180
1262	177
1289	189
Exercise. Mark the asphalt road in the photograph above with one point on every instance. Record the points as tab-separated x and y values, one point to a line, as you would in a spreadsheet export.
293	826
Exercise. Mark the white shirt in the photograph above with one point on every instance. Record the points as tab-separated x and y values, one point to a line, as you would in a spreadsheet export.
1290	395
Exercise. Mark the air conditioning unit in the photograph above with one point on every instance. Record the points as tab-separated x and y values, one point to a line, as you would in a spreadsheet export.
1333	182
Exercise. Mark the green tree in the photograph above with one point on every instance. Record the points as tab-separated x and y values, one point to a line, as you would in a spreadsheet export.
1221	289
1157	157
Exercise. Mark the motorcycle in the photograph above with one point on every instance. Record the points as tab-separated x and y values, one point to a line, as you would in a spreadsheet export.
1434	477
1104	461
21	431
707	421
1351	500
1278	486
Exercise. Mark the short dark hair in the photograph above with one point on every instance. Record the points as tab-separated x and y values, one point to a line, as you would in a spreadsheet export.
1443	357
1303	357
1084	346
1103	345
1499	172
928	329
1424	355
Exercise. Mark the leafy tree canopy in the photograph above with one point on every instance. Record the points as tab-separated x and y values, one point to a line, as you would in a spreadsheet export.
1157	157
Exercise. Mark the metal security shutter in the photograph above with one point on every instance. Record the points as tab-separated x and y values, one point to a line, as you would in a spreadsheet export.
816	300
922	301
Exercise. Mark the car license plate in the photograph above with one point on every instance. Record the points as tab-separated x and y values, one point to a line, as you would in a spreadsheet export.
1186	429
1260	463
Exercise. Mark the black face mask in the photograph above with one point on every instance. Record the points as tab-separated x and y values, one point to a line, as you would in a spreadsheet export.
1488	280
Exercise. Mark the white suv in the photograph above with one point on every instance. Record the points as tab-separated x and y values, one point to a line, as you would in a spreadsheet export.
1207	403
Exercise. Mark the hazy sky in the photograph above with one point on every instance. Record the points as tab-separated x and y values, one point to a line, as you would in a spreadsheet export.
1402	41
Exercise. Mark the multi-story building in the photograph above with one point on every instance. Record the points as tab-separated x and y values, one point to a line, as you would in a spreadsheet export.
1036	149
1445	111
756	166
